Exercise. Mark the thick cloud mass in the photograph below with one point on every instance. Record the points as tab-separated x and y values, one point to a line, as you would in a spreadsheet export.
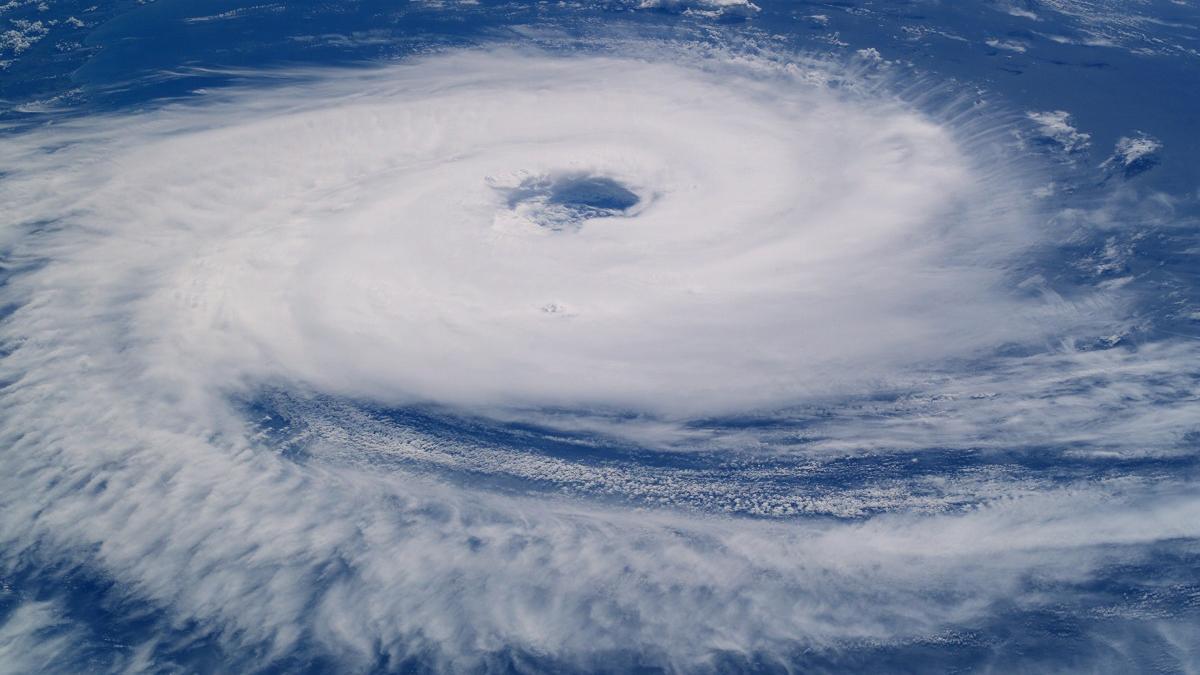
361	236
526	237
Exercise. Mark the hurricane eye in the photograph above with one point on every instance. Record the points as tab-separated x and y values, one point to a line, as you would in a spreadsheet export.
564	202
592	192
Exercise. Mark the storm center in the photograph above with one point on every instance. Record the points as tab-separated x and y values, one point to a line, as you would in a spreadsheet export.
565	201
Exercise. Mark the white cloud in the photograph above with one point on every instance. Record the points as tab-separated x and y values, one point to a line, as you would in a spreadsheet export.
362	245
740	8
342	235
1009	45
1133	154
1055	125
29	641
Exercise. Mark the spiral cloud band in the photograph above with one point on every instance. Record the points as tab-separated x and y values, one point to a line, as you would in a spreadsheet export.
541	245
395	244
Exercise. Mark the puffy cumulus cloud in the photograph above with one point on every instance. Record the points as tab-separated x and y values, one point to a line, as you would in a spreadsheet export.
1133	155
1055	128
502	232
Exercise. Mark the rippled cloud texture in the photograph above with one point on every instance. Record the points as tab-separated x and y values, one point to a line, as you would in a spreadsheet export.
739	237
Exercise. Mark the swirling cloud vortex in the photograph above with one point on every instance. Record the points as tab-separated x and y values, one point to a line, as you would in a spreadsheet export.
500	230
374	241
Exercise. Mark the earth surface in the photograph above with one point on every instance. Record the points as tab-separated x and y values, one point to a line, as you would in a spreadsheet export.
614	336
